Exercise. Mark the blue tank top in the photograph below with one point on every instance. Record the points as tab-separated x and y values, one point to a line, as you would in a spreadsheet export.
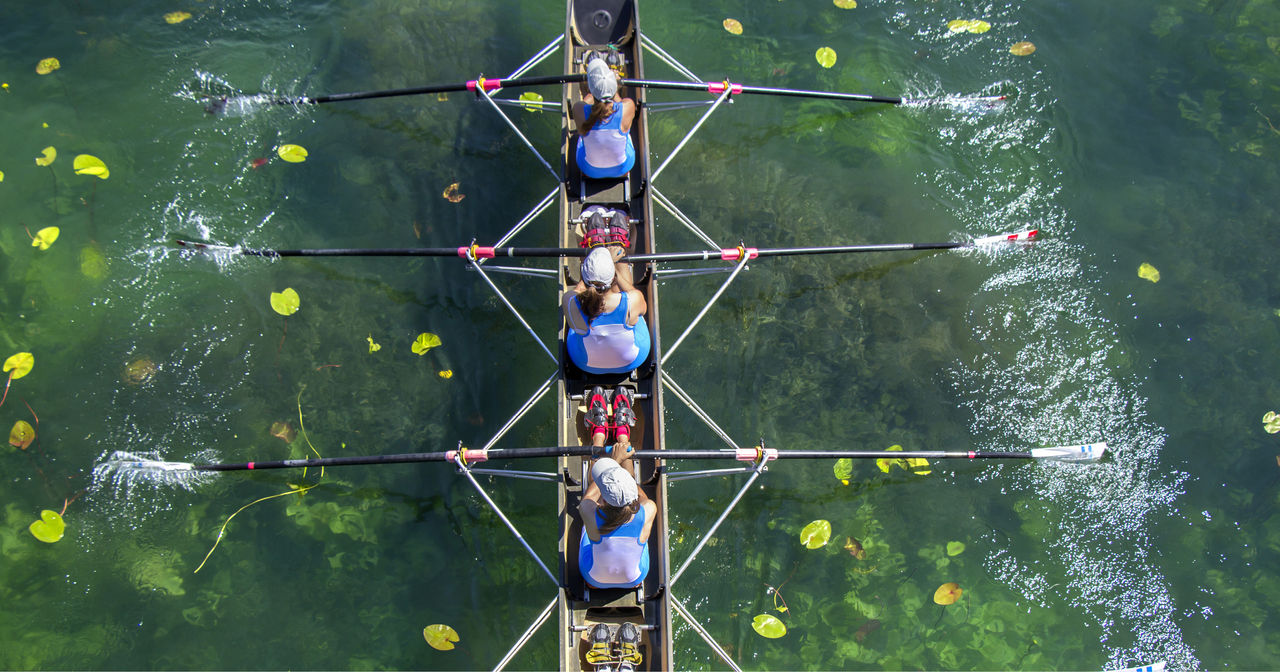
618	560
606	151
609	346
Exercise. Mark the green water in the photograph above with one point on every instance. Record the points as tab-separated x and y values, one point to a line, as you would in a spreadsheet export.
1134	134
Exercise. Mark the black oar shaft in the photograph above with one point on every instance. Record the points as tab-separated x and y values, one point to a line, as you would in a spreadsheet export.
719	87
731	253
489	84
480	252
674	454
442	456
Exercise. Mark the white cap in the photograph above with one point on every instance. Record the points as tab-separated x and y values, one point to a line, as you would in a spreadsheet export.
597	268
617	487
601	80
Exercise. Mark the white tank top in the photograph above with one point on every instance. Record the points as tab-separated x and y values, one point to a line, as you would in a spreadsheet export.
605	145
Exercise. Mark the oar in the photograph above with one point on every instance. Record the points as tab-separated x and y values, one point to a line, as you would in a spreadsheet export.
481	252
476	251
130	467
718	88
472	85
735	253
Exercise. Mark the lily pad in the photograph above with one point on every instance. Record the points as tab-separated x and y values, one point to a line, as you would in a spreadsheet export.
451	193
47	156
843	470
176	17
424	342
45	237
47	65
855	548
734	26
845	4
446	374
21	435
968	25
88	164
292	153
373	347
286	302
92	263
1271	422
140	371
440	636
955	547
768	625
947	593
1148	272
530	97
1022	49
283	431
816	534
19	365
49	528
826	57
915	465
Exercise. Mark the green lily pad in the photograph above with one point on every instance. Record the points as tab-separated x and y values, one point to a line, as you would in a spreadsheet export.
440	636
424	342
843	470
955	547
286	303
49	528
1271	422
768	625
826	57
816	534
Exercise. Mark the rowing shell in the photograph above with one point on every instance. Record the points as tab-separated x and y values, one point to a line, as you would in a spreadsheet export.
589	25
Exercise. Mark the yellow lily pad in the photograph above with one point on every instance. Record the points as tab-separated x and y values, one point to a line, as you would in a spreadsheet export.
1148	272
21	435
968	25
49	528
947	593
373	347
292	153
768	625
446	374
424	342
826	57
955	547
285	302
843	470
45	237
734	26
47	65
48	154
1	176
440	636
816	534
88	164
530	97
845	4
176	17
19	365
1022	49
1271	422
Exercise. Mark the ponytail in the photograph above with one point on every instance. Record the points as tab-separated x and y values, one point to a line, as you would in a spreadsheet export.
599	111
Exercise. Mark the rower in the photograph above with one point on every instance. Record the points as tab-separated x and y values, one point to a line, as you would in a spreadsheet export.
605	313
604	121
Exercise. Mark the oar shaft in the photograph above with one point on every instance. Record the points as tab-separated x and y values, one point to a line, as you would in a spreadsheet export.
834	454
720	87
480	252
489	84
442	456
731	254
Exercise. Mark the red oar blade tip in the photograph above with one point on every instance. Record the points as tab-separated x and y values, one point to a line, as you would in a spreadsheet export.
1019	237
1088	452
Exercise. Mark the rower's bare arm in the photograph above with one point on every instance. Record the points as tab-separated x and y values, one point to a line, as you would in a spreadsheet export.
587	509
650	512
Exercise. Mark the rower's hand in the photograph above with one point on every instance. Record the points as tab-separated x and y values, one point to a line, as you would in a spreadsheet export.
617	252
621	451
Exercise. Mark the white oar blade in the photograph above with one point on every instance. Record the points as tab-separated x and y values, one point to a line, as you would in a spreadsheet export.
1019	237
1153	667
124	471
1083	453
